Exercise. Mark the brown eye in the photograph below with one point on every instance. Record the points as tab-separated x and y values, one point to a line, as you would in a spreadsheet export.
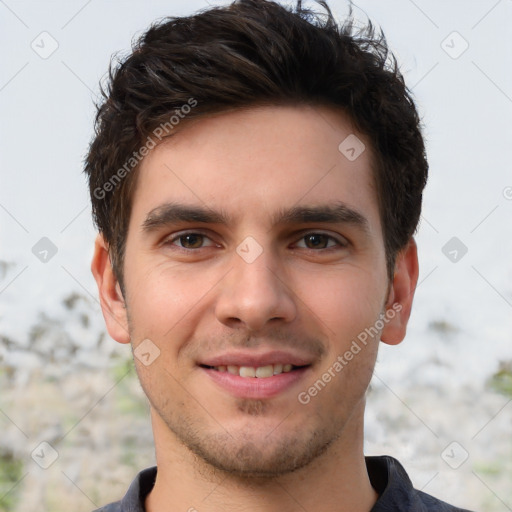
316	241
191	241
319	241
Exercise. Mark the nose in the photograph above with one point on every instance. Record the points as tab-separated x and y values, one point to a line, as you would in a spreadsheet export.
254	294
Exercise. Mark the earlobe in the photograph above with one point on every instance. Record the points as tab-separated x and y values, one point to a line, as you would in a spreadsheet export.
401	294
111	297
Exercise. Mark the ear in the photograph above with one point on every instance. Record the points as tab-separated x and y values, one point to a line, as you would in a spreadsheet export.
401	294
111	298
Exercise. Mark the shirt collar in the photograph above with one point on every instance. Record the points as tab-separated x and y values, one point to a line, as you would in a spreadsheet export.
386	474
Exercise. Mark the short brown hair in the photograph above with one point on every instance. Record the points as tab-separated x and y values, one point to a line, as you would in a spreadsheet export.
256	52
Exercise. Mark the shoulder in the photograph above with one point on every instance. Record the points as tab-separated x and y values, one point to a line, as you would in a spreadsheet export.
432	504
396	491
133	500
113	507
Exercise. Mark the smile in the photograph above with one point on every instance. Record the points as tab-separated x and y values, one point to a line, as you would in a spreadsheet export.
259	372
257	382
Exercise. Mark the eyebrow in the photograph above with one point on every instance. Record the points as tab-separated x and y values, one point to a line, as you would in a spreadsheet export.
171	213
335	213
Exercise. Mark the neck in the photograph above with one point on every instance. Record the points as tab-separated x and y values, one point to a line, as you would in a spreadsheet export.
337	481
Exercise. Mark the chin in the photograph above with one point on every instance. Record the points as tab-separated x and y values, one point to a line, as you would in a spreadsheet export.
260	456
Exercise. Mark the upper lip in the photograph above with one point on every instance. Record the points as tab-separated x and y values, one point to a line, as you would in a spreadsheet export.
243	358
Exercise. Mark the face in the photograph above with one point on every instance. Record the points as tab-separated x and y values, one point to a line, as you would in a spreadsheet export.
254	259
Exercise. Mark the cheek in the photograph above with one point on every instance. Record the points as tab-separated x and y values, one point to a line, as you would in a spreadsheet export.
164	306
345	301
164	301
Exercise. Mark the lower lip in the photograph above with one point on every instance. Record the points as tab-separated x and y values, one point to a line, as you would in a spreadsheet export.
254	387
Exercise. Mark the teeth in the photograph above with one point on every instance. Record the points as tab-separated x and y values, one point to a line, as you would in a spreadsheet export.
264	371
260	372
247	371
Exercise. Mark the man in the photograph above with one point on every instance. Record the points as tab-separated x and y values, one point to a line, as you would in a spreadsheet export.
256	178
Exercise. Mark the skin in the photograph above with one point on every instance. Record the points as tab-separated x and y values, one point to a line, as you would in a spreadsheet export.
197	297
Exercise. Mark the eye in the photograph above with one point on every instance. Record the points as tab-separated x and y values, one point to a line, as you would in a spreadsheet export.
189	240
320	241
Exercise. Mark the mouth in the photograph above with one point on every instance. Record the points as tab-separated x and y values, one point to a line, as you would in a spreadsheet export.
257	376
255	372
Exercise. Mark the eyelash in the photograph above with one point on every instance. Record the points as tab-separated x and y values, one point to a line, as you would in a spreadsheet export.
340	244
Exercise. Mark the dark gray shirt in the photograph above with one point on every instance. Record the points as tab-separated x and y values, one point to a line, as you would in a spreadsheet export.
387	476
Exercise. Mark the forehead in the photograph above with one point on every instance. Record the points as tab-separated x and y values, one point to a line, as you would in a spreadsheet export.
252	163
